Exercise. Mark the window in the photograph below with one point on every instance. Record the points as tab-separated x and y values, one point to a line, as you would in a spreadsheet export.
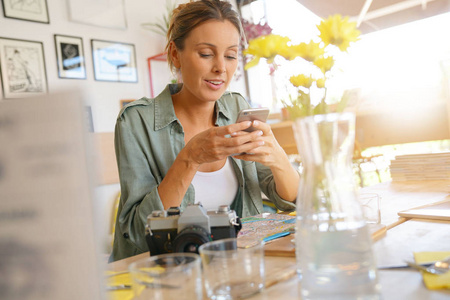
401	65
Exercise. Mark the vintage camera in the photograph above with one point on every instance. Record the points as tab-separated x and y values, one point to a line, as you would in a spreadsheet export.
173	231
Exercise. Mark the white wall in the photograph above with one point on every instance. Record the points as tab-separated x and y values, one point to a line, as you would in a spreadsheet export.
103	97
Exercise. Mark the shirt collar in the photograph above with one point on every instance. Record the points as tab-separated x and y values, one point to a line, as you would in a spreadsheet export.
164	111
222	110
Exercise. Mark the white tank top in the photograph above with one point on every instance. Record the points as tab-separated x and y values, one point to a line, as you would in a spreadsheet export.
213	189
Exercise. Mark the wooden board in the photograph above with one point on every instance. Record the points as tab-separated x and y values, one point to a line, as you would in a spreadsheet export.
285	246
281	247
105	156
435	211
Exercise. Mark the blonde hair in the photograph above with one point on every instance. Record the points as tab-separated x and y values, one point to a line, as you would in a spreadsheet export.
189	15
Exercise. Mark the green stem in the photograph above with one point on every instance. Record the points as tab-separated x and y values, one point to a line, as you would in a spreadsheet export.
324	96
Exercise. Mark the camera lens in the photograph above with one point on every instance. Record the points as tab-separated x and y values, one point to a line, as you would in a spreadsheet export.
191	248
190	238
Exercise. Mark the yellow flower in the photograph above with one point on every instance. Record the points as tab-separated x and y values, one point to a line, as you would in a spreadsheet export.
301	80
338	31
267	46
320	83
311	92
306	51
324	64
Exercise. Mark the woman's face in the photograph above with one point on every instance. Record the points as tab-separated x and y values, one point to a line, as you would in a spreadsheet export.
208	60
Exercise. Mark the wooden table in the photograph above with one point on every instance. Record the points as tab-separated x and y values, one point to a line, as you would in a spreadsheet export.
404	236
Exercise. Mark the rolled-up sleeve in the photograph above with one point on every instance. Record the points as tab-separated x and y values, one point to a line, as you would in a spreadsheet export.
267	185
139	193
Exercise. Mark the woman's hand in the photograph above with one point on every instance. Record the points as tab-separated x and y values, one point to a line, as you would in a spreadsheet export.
218	143
270	154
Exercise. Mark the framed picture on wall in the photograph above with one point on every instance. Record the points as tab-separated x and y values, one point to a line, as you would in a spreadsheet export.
89	120
87	12
22	67
35	11
70	57
114	61
125	102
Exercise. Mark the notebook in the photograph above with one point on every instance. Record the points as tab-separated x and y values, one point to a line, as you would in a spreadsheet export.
285	246
436	211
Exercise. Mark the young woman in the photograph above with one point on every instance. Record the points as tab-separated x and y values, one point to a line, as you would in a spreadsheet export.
184	147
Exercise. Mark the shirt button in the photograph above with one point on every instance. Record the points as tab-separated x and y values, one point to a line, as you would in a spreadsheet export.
126	235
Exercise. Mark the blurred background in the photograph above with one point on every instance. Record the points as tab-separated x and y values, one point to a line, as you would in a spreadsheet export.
398	74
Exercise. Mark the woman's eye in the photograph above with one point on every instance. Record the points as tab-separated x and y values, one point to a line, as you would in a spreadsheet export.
230	57
205	55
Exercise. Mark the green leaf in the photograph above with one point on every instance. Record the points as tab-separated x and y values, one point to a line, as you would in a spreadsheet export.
344	102
321	108
161	26
152	27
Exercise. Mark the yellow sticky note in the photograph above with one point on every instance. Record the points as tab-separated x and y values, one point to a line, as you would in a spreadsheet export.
433	282
118	280
121	278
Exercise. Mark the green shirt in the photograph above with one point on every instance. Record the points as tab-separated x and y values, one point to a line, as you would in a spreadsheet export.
148	138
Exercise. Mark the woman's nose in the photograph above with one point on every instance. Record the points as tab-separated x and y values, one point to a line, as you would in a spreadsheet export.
219	66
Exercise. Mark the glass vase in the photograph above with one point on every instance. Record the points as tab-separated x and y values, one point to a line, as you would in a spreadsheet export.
333	244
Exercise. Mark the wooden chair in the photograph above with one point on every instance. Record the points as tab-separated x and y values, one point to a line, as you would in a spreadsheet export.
107	180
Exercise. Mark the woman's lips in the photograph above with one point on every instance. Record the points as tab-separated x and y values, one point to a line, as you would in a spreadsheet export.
215	84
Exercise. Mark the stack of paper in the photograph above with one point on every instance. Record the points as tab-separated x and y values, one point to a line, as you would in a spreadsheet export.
430	166
48	247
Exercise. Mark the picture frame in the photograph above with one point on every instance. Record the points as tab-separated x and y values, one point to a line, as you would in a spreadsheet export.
87	12
89	120
34	11
114	61
22	68
70	57
125	102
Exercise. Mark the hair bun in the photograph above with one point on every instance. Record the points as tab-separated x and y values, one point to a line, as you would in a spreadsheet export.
180	7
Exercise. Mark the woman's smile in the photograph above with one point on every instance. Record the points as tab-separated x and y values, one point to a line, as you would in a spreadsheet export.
215	84
208	61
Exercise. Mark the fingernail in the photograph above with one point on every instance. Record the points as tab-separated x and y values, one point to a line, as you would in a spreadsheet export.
233	133
255	123
261	143
259	132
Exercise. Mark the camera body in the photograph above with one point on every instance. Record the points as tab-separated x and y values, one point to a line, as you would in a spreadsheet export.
175	231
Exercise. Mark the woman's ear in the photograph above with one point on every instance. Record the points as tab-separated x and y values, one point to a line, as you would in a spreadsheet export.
174	55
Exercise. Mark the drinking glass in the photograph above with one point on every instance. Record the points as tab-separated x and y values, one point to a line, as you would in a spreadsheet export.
167	277
370	203
231	272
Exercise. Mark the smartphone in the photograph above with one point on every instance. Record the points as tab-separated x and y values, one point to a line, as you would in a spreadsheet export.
251	114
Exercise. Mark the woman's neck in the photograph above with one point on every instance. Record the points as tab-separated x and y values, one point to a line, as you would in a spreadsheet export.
198	114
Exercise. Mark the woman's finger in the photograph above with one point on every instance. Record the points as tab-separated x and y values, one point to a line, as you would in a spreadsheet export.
233	128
